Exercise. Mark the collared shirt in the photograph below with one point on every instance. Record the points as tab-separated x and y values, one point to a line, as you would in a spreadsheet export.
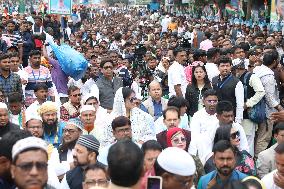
158	109
11	84
212	178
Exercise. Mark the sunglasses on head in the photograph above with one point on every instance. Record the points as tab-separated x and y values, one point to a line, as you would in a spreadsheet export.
235	135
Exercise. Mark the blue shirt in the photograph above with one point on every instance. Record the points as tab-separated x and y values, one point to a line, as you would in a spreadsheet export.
158	110
212	178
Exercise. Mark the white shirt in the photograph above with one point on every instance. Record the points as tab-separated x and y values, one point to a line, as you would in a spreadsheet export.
269	182
239	94
212	70
87	86
176	76
165	23
203	123
60	168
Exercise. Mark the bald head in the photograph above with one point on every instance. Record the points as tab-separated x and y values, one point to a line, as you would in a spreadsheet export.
155	90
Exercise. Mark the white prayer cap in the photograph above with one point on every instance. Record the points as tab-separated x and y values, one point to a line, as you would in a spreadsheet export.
177	161
87	108
3	106
33	116
28	143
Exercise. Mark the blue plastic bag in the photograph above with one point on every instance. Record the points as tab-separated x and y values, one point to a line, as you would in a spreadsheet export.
71	61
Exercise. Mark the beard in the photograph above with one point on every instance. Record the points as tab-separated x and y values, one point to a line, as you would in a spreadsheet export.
50	129
225	171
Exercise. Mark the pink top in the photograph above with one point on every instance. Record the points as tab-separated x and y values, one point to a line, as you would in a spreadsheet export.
206	44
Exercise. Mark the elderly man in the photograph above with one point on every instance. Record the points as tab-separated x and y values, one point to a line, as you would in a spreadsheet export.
176	167
5	125
155	104
62	159
88	117
85	153
53	129
29	165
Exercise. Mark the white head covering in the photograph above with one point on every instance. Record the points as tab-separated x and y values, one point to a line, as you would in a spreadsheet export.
28	143
176	161
87	108
119	104
32	116
3	106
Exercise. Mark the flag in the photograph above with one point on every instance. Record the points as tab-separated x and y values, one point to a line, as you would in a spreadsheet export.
241	11
230	9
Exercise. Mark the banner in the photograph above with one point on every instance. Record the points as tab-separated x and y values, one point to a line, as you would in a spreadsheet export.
60	6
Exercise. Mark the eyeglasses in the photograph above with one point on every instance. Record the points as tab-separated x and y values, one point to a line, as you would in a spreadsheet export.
177	140
27	167
71	131
125	130
212	101
132	99
108	67
77	95
235	135
96	182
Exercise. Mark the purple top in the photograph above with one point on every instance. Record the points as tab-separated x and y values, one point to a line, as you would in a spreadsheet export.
59	78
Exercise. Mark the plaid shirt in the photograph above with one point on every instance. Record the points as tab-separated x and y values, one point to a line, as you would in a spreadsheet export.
11	84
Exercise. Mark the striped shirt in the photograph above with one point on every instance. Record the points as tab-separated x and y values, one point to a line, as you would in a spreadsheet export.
14	39
41	75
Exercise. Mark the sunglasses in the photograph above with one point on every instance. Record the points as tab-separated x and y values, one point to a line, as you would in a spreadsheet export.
132	99
177	140
107	67
27	167
235	135
76	95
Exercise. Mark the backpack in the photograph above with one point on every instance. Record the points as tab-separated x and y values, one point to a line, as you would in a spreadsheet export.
257	113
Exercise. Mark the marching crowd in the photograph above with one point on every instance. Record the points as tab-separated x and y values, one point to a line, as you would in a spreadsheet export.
197	102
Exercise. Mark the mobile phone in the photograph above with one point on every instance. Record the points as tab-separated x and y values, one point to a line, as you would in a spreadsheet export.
154	182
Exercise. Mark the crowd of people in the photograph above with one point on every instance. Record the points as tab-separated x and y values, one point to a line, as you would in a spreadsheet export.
197	103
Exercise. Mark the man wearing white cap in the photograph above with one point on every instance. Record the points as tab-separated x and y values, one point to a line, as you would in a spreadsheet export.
5	124
176	167
29	165
34	125
88	118
62	159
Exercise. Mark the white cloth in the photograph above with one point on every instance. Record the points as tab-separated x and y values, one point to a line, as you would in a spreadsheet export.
32	109
176	76
243	140
64	183
269	182
52	178
87	87
239	94
212	70
165	23
142	124
56	165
